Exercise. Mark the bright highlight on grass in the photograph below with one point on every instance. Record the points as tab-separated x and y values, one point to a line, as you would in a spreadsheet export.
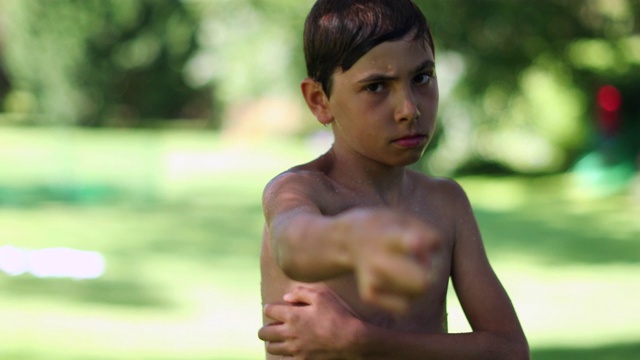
52	262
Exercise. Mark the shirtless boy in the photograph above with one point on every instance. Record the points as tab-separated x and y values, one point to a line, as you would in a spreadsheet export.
358	249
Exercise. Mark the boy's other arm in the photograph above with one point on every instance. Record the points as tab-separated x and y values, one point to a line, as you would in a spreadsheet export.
482	297
386	250
496	331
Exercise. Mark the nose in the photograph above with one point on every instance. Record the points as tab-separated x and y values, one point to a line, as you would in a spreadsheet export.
407	107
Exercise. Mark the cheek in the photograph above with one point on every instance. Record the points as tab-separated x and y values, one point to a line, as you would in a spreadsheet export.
361	115
436	99
433	108
430	103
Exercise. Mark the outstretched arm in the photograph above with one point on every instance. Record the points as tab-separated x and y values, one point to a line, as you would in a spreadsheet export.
387	251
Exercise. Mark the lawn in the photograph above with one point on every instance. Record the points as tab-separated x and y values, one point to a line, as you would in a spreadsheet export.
176	216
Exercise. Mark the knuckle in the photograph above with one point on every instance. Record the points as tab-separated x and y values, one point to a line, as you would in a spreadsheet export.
293	318
367	293
294	348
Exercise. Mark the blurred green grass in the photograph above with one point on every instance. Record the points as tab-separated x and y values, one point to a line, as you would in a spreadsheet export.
177	216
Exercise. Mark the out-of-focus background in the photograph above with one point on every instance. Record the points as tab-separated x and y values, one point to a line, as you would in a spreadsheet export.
136	137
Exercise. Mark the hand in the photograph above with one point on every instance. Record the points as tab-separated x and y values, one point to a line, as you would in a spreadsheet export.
315	324
392	256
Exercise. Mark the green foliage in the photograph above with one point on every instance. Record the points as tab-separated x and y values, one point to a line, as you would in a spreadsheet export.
501	38
251	48
92	61
524	99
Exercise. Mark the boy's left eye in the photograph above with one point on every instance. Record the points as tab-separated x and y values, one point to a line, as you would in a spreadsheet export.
422	79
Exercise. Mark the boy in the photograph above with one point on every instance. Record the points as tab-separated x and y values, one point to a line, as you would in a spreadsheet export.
357	249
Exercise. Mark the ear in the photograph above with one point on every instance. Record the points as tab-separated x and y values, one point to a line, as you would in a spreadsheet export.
317	100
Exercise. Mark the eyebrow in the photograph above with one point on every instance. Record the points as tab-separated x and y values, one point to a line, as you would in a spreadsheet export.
376	77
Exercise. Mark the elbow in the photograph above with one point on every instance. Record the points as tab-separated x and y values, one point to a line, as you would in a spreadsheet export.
517	349
522	351
507	347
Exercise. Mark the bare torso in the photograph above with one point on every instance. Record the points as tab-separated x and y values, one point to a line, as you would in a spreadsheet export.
425	198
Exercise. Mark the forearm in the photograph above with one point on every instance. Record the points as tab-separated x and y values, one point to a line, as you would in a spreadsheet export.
310	247
381	344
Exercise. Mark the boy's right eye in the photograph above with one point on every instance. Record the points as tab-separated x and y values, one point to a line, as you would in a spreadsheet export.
375	87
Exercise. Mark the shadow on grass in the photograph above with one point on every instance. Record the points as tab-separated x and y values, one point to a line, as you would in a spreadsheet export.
539	217
567	239
130	292
207	234
142	245
610	352
34	195
223	222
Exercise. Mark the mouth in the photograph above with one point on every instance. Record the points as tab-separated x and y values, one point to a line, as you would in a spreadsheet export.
410	141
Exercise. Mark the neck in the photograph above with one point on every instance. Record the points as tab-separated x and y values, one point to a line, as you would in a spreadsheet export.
366	176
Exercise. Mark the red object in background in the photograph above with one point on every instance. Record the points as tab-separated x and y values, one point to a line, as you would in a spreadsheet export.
609	103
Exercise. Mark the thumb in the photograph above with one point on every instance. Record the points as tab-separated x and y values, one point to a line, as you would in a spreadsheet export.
300	295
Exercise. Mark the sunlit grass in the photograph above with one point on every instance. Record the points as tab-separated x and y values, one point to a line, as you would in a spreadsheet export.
178	218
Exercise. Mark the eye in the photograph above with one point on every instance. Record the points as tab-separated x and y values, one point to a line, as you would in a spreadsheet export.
423	78
375	87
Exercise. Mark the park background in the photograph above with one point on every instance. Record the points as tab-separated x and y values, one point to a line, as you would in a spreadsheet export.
136	137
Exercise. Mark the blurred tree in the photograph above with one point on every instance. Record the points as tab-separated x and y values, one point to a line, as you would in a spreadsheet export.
4	81
518	79
531	70
252	51
102	62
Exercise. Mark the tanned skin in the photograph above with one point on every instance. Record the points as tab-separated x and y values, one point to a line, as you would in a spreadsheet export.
358	249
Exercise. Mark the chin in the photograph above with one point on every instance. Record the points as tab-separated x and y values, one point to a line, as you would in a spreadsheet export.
407	161
410	158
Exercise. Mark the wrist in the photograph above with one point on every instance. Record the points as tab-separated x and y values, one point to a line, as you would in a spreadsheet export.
365	342
357	346
346	238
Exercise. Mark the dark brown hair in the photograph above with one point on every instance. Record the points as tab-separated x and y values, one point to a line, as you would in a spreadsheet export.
339	32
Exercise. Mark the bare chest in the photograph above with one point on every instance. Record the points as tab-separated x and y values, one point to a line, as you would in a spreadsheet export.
426	315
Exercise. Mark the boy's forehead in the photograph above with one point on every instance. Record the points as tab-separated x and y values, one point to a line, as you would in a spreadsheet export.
390	56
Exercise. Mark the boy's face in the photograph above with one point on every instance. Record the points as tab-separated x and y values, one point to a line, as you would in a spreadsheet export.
384	107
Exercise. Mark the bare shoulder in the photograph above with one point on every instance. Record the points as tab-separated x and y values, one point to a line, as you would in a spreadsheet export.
441	189
306	182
